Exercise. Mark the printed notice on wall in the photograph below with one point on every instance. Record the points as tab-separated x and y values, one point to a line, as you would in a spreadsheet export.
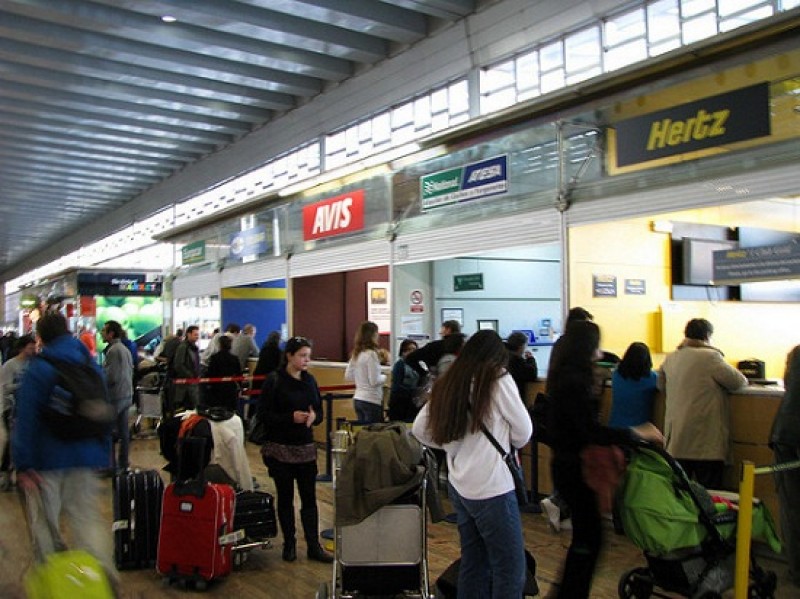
379	307
635	287
604	286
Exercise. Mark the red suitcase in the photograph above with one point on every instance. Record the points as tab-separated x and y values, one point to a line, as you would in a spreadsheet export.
196	517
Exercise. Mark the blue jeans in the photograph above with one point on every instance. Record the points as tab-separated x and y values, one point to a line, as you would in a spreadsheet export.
367	412
492	548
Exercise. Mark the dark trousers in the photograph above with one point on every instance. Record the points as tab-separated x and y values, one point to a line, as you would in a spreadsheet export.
707	472
285	477
587	527
788	483
5	466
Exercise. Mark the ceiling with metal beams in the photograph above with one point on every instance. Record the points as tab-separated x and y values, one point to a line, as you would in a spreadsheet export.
101	100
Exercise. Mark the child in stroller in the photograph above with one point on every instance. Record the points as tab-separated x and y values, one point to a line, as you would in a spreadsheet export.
687	538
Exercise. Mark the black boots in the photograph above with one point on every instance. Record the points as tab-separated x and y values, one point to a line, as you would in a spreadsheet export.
309	518
318	554
289	551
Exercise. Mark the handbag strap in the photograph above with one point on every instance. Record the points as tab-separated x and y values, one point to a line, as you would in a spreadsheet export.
493	441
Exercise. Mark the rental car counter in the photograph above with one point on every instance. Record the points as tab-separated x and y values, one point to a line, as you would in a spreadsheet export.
753	409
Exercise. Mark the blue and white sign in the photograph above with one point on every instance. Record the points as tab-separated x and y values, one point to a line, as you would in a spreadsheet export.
464	183
250	242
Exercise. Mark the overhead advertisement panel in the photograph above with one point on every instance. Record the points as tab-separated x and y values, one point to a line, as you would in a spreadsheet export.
711	122
464	183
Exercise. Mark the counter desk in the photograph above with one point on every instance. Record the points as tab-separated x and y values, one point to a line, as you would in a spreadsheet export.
753	410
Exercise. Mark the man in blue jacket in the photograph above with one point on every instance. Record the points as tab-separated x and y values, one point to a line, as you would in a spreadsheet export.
57	475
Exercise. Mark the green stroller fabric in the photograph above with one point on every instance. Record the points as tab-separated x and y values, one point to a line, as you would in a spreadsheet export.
656	514
659	515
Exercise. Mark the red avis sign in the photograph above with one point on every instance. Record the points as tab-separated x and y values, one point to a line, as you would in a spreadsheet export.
334	216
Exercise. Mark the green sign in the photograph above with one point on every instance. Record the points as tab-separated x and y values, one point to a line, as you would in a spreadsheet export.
193	253
462	184
472	282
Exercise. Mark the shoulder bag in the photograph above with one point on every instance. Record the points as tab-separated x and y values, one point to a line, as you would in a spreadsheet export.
512	461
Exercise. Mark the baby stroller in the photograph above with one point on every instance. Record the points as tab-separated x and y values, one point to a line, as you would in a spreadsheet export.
380	528
688	543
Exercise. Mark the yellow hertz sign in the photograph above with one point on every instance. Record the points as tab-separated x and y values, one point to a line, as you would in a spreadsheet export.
703	125
727	118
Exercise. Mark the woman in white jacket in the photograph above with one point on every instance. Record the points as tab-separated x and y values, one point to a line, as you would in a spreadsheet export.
364	369
475	390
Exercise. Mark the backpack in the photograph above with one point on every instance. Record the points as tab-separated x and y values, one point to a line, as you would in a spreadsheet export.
79	406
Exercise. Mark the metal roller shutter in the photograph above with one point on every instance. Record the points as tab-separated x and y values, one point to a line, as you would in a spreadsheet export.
364	254
195	285
271	269
530	228
721	190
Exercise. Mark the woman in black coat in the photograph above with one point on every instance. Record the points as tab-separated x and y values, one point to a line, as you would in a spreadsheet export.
223	364
290	405
574	427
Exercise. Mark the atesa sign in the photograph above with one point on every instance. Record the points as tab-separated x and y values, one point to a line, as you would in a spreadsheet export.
714	121
464	183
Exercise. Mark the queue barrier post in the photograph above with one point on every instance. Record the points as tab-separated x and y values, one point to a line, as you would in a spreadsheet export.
328	396
744	528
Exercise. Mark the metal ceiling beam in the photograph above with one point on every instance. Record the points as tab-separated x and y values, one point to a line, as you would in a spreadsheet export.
260	23
128	25
169	60
143	77
374	18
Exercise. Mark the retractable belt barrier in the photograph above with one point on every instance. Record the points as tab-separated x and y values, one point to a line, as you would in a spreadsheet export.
329	393
744	523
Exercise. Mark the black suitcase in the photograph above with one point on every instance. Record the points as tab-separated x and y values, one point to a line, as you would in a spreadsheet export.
137	496
255	514
447	583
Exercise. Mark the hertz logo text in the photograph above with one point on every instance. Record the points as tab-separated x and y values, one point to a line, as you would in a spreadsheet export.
703	125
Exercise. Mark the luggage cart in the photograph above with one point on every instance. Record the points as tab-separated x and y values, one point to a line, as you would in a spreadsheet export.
385	554
149	391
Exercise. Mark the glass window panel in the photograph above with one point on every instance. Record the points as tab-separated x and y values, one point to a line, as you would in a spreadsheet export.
402	115
551	56
351	135
745	18
664	47
729	7
663	21
381	128
693	8
789	4
334	143
440	121
624	27
527	67
439	100
527	94
497	77
699	28
582	50
459	98
499	100
365	130
625	54
403	135
422	112
583	75
552	81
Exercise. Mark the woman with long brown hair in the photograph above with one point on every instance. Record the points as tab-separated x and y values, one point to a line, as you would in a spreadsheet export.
477	390
364	369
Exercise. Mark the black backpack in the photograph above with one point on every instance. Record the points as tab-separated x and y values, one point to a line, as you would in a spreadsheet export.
541	417
79	406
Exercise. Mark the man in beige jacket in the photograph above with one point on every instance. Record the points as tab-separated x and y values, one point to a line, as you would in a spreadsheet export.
697	381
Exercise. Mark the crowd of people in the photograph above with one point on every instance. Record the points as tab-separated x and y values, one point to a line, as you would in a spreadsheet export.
458	391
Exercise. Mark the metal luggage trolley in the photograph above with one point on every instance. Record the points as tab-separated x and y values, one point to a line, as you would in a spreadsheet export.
385	554
149	391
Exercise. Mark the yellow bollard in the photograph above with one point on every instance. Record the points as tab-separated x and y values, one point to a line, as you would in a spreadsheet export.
744	530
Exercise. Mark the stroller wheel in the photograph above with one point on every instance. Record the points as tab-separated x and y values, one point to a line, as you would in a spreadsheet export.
763	585
635	584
